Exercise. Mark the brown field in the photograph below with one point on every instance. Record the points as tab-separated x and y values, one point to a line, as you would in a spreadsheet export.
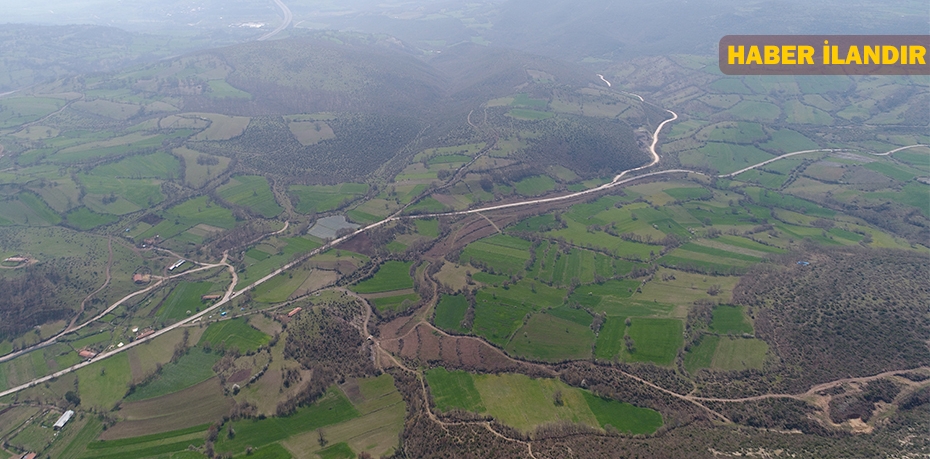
222	127
195	405
311	132
453	276
425	344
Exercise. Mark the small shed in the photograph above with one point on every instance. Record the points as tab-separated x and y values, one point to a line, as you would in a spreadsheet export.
63	419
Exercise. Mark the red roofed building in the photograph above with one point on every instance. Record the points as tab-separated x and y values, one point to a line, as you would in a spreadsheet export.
87	354
294	312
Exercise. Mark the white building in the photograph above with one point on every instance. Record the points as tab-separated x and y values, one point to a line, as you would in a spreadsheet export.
63	420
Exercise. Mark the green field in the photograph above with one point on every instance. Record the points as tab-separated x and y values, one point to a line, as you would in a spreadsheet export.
656	340
253	192
324	198
622	416
85	219
19	110
723	353
392	275
453	390
332	408
525	403
193	367
183	298
104	383
536	185
220	89
156	445
235	333
523	100
550	338
284	251
730	319
157	165
505	254
184	216
531	115
450	310
724	157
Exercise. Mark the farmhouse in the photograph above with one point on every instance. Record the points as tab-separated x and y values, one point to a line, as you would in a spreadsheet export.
145	333
28	456
87	354
210	297
63	420
16	259
294	312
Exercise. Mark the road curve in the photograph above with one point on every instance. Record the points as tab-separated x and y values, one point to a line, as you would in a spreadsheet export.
231	295
288	17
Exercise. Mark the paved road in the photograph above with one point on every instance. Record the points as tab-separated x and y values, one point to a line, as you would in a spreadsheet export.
288	17
231	295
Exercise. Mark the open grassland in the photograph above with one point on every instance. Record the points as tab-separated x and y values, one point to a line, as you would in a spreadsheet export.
200	168
332	408
450	311
104	383
525	403
500	311
85	219
284	250
155	445
375	431
196	405
392	275
220	89
222	127
400	302
505	254
723	353
685	288
533	186
623	417
253	192
27	209
15	111
730	319
235	333
530	115
188	214
107	108
550	338
184	300
655	340
324	198
311	132
157	165
282	286
453	390
193	367
723	157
